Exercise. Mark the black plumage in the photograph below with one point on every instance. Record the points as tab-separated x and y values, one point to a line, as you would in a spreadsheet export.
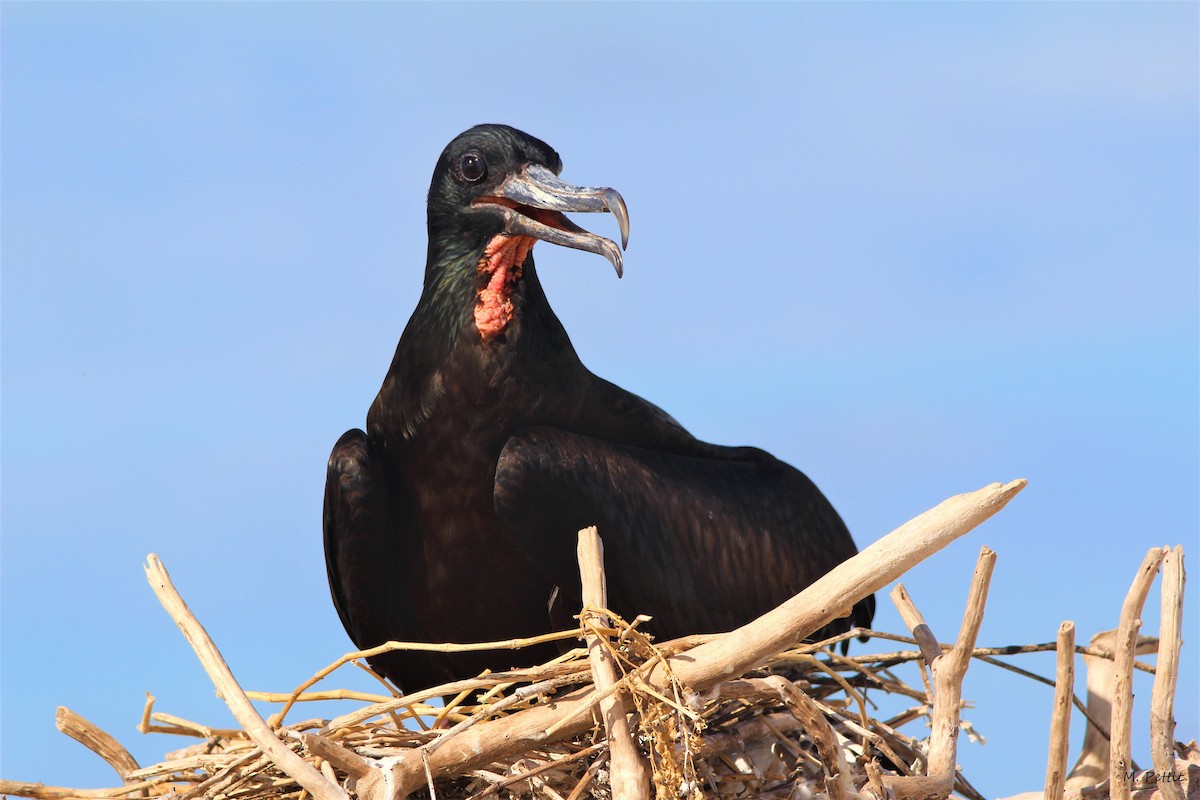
453	517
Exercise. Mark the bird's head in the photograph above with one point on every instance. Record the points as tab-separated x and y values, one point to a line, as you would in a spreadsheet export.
495	192
493	180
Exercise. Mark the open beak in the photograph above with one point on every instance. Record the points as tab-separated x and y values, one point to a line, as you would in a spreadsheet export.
531	203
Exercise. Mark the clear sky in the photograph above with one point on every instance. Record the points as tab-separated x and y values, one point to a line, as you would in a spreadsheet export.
909	248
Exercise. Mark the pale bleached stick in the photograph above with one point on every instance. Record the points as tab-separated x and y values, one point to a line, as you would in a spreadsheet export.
180	727
333	753
731	654
1091	767
948	670
930	649
41	791
309	697
228	689
179	764
833	596
628	775
928	643
1060	718
1120	762
96	740
192	728
1162	699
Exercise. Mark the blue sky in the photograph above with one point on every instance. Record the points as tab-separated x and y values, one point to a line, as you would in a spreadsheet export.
909	248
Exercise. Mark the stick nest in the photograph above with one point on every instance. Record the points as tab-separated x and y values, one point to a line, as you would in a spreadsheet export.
741	740
745	714
745	738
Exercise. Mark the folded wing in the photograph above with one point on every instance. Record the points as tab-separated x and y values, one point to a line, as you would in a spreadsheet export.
703	544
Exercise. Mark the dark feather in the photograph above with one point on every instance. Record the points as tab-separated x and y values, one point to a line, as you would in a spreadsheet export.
701	543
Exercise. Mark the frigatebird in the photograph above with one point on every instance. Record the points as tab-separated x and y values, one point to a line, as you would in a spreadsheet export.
453	517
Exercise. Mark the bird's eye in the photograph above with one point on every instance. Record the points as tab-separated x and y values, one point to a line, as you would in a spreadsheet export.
472	168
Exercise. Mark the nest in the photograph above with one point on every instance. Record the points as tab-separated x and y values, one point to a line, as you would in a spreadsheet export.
735	715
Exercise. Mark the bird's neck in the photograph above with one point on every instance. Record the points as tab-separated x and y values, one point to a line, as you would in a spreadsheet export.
485	294
446	343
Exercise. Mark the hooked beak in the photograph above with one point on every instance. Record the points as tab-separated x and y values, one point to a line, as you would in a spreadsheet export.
531	203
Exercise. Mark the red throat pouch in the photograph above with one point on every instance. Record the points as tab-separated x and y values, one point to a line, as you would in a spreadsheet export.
501	263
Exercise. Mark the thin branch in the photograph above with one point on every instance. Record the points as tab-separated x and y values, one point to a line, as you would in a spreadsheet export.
628	775
578	671
1060	719
390	647
1120	764
228	689
96	740
341	757
1162	701
312	697
43	792
928	643
982	653
930	649
948	673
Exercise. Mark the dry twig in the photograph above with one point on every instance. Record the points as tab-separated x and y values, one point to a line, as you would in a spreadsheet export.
1162	702
228	689
96	740
1060	721
1121	763
629	779
948	672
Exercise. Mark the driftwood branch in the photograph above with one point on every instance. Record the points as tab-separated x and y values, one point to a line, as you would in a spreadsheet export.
1060	720
1120	763
1091	767
344	759
930	649
228	689
948	670
834	595
628	775
44	792
1162	699
1105	767
96	740
727	656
